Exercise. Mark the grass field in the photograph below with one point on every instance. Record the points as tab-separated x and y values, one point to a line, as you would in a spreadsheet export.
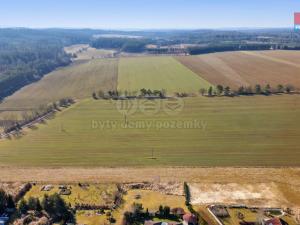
236	69
151	200
76	81
157	73
241	131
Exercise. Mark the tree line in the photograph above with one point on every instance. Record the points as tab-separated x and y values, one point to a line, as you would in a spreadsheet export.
13	124
144	93
258	89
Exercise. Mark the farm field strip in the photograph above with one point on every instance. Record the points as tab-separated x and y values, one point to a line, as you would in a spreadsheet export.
242	131
213	69
157	73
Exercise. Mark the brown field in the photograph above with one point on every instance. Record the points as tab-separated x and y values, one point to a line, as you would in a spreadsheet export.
211	68
284	56
235	69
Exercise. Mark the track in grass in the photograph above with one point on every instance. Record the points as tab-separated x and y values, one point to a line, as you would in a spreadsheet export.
242	131
157	73
237	69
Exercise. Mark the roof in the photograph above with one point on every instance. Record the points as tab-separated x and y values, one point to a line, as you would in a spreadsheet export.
179	211
274	221
190	218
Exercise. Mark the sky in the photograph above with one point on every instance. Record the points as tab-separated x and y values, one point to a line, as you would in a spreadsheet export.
148	14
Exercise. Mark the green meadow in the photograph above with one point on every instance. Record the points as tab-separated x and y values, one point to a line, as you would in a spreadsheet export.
157	73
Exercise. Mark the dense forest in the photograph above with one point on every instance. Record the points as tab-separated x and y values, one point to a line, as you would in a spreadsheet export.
122	44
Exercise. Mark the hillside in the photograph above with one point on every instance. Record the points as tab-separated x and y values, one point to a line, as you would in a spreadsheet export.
241	131
77	81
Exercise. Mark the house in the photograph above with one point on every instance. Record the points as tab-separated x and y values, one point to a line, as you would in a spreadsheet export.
189	219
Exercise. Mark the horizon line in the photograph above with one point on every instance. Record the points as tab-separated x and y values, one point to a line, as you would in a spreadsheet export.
145	29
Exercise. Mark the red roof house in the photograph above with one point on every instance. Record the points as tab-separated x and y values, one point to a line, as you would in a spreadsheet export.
189	219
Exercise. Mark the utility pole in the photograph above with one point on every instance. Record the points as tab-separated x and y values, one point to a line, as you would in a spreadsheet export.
152	153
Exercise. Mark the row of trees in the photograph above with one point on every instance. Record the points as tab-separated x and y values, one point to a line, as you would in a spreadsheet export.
13	124
144	93
219	90
53	205
150	93
187	194
256	90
